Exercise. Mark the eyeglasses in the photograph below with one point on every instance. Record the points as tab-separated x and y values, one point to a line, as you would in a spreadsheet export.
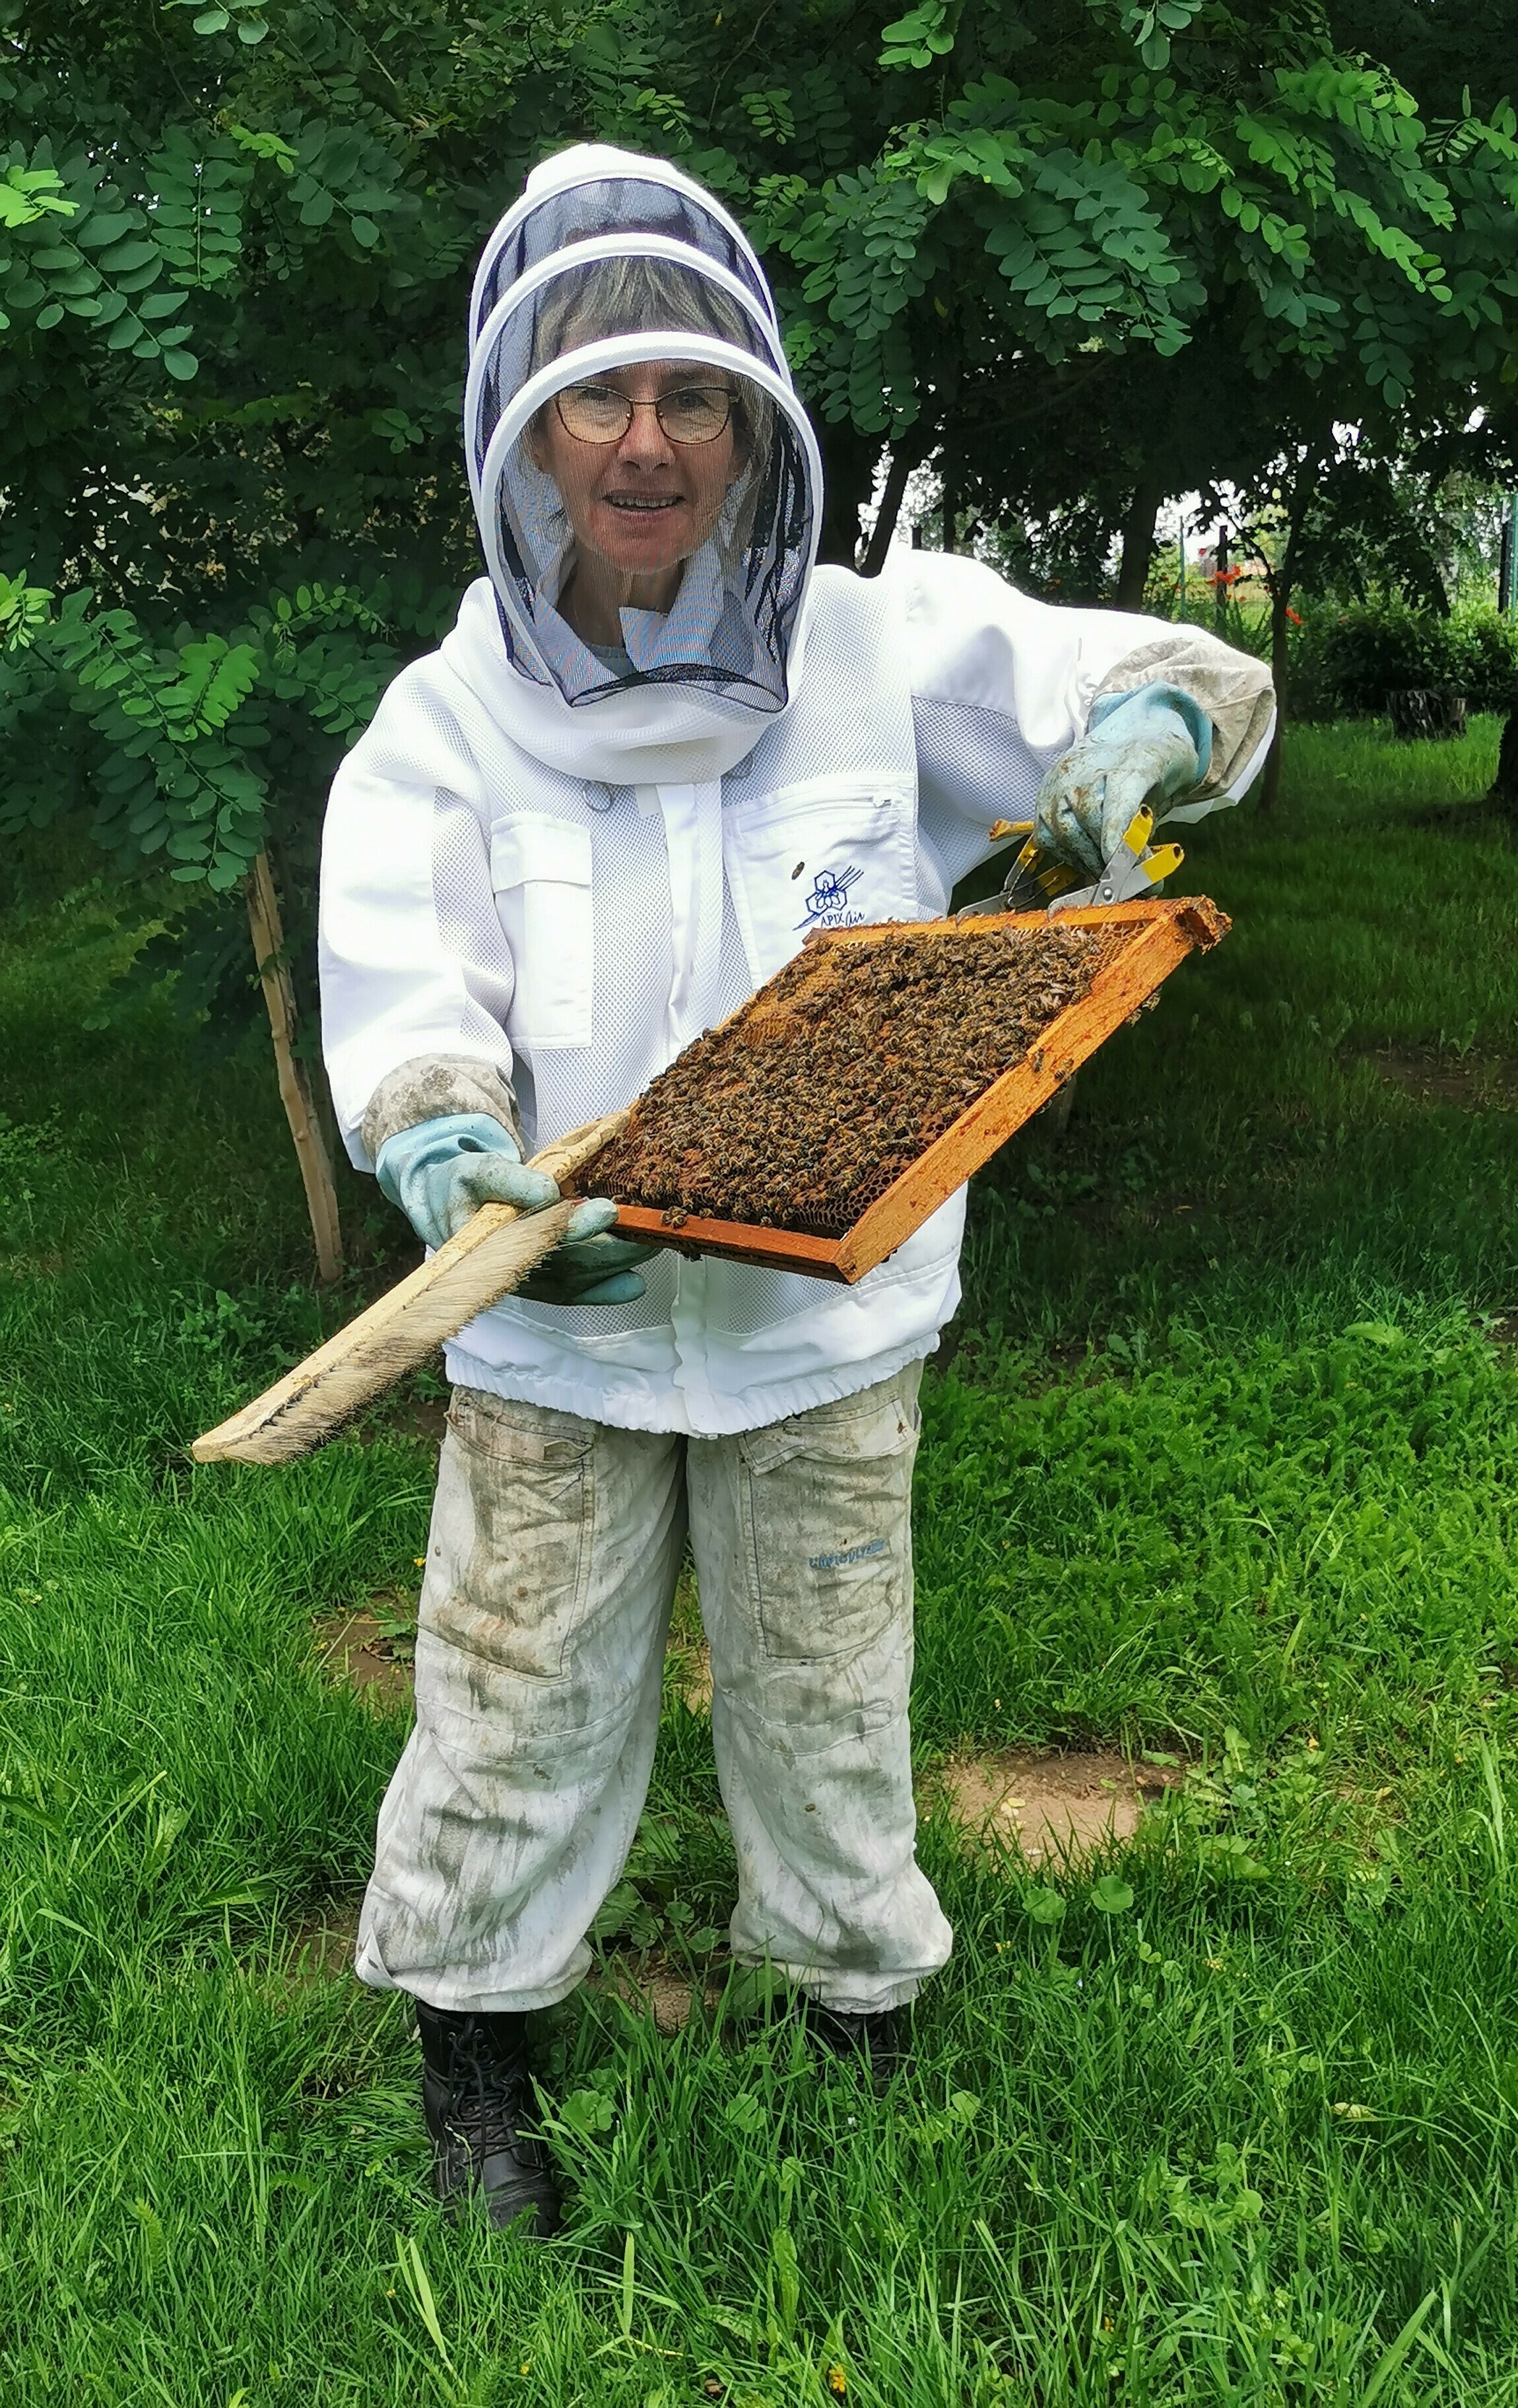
598	413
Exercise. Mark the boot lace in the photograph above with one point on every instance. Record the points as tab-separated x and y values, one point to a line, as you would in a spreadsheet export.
486	2093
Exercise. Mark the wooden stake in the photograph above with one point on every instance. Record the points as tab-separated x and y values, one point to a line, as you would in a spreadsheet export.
294	1084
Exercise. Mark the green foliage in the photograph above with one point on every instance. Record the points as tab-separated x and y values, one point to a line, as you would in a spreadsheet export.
170	739
919	38
1378	646
1486	668
23	610
28	193
1305	189
114	267
1373	648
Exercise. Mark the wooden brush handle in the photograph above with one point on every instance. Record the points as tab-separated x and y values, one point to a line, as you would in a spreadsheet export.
492	1254
569	1157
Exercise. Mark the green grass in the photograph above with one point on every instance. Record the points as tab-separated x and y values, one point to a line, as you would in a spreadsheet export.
1221	1465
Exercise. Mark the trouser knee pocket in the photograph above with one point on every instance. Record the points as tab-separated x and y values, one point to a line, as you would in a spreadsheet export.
825	1519
508	1567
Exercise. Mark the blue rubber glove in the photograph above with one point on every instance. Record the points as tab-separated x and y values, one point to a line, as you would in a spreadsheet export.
441	1171
1152	746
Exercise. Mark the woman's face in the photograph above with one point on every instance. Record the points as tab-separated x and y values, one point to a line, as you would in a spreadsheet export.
641	503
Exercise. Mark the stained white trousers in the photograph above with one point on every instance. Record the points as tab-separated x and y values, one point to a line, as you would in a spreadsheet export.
555	1547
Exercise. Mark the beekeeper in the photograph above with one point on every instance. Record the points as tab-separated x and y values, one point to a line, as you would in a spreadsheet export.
658	748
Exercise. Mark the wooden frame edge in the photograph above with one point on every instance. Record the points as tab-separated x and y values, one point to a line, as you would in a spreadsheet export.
1067	1041
1172	926
736	1242
1212	924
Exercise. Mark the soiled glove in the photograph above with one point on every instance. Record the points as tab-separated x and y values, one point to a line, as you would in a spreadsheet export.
441	1171
588	1270
1152	746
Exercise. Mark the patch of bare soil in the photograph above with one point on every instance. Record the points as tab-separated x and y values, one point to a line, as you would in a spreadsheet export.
372	1650
1437	1075
323	1948
688	1665
1052	1805
841	1073
657	1987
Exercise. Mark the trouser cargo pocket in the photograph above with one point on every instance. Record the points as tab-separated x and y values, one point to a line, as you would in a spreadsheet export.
825	1508
510	1556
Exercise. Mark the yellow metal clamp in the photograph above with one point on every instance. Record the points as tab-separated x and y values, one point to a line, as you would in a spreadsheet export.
1054	878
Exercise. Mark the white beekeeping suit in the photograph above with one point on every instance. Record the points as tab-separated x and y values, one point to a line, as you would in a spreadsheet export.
548	865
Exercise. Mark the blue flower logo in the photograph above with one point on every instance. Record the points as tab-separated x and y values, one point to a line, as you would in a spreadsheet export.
829	894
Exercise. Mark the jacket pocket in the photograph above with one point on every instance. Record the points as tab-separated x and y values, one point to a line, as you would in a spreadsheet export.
510	1557
540	869
825	1508
830	852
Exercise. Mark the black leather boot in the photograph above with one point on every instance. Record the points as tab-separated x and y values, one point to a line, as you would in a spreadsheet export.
879	2041
476	2095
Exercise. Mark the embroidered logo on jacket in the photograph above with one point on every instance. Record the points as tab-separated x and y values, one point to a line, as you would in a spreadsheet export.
827	905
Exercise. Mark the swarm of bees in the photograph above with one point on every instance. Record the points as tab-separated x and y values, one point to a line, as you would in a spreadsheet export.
805	1106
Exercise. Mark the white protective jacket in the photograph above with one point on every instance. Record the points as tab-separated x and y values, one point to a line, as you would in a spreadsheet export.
522	884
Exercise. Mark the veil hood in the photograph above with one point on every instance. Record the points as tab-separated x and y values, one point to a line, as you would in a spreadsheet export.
609	259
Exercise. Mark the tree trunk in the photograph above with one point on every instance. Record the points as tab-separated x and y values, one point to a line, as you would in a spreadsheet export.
1504	786
1137	543
1424	711
949	512
1219	580
848	464
1281	594
1282	577
294	1085
903	459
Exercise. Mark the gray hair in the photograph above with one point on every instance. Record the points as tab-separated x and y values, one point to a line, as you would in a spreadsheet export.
653	296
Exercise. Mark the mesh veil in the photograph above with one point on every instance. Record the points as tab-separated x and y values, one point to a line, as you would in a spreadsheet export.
597	280
654	202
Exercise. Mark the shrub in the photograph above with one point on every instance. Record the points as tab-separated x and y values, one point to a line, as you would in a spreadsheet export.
1488	648
1376	648
1313	689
